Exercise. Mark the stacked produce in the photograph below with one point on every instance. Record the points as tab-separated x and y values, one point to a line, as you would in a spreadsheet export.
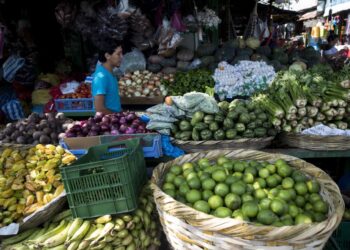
264	193
43	128
113	124
143	84
243	79
83	91
138	230
194	80
235	120
29	179
299	101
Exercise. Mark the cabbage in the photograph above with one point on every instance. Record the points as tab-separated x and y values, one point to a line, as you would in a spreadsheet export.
252	42
298	66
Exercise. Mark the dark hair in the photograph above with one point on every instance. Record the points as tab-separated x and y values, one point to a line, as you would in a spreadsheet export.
108	46
332	38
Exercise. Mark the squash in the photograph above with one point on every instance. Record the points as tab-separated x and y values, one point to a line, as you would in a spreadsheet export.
225	54
206	50
185	55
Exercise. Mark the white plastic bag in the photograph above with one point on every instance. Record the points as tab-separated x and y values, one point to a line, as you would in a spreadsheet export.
133	61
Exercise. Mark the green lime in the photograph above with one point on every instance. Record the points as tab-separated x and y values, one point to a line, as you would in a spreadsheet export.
238	215
204	163
301	188
228	166
314	197
248	178
278	206
222	159
202	206
319	217
233	201
219	175
170	192
308	207
320	207
250	209
251	170
287	222
238	167
254	163
169	177
179	180
238	188
284	195
273	193
279	178
265	203
266	217
231	179
280	162
206	194
221	189
191	176
181	199
247	197
176	170
204	176
260	194
303	219
259	183
300	201
313	186
264	173
209	170
193	195
271	181
284	170
287	183
293	210
208	184
298	176
168	186
292	193
187	172
250	189
215	201
187	165
194	183
238	175
222	212
271	168
184	189
278	224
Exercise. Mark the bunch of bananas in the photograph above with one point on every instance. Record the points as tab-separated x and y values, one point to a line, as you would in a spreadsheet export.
29	179
125	232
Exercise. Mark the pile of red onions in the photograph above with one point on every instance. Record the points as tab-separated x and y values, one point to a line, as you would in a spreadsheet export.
113	124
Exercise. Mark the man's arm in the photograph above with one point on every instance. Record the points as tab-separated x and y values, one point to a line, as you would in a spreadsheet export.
100	104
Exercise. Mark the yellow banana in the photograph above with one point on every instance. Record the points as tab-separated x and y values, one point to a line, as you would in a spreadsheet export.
32	208
106	230
48	234
12	208
95	233
99	246
9	202
60	247
103	219
47	198
39	197
6	153
30	200
84	244
60	150
7	194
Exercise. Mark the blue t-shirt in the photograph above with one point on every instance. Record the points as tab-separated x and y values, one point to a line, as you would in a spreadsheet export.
104	83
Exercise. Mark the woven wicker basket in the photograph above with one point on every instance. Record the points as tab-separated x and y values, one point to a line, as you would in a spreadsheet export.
316	142
197	146
186	228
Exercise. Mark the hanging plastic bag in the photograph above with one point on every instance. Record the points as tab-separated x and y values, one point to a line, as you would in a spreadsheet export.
133	61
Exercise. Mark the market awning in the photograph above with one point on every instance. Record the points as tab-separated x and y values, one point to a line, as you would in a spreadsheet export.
336	6
308	15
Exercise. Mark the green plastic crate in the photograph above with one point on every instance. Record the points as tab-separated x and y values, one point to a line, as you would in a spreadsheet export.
342	235
107	180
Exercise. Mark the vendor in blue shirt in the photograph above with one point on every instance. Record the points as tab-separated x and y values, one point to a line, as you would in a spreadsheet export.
104	84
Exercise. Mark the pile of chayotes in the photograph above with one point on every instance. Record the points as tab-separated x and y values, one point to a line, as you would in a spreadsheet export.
123	232
29	179
264	193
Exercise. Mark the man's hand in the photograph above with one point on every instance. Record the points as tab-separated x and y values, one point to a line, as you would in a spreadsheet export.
100	105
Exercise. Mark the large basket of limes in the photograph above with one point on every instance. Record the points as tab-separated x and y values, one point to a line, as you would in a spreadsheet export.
245	199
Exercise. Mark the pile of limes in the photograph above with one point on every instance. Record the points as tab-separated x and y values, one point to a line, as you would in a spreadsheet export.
261	192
